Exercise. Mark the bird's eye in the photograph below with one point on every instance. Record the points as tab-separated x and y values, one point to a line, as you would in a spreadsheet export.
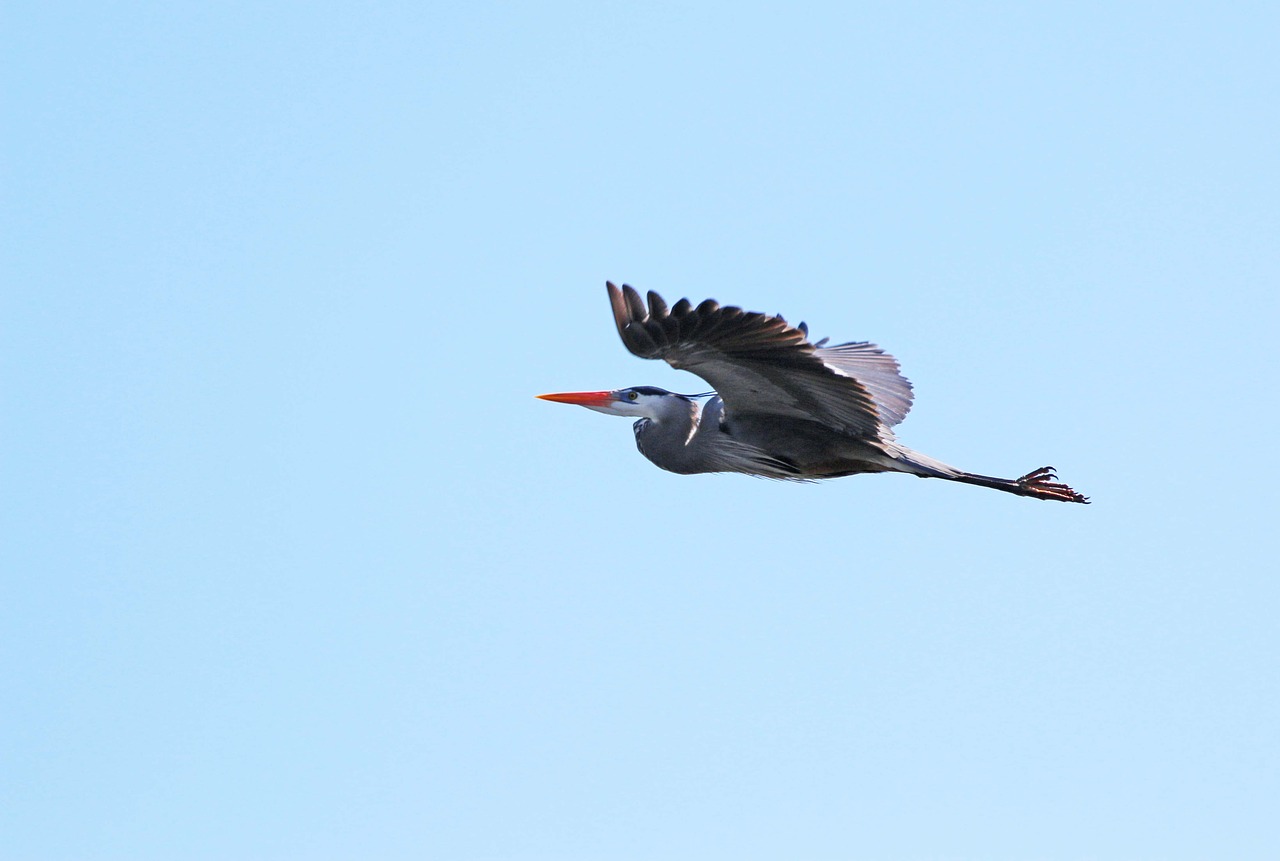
631	396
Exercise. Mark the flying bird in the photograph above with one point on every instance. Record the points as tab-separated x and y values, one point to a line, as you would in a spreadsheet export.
783	407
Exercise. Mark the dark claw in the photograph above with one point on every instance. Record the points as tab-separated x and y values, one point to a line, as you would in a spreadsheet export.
1042	486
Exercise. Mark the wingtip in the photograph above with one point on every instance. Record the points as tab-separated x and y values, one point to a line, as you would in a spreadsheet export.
635	305
618	302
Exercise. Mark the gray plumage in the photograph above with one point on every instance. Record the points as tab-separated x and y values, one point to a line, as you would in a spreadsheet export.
783	407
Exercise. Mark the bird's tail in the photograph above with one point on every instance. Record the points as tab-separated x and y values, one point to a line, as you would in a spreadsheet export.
1038	484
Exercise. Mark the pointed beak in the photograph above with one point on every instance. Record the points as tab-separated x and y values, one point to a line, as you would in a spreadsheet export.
582	399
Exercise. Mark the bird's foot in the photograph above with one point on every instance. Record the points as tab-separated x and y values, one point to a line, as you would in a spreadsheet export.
1040	484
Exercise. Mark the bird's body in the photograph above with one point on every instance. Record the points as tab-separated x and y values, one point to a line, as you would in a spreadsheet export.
783	407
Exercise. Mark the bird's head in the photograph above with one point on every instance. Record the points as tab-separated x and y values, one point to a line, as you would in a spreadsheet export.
641	402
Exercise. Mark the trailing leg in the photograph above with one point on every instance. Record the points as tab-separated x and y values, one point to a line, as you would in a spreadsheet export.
1038	484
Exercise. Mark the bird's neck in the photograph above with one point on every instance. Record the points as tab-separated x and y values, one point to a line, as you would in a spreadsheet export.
665	438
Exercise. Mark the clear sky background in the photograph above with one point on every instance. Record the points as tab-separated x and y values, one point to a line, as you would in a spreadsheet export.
295	566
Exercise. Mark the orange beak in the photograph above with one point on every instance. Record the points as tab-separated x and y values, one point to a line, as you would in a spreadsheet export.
582	399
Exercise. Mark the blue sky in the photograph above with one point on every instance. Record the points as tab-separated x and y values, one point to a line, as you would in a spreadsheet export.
296	566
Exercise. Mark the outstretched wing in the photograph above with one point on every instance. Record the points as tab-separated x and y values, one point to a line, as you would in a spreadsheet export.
762	365
877	371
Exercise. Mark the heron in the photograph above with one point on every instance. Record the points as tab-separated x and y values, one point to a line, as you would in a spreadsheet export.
783	407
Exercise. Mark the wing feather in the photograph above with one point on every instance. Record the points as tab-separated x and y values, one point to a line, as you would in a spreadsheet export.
761	365
877	371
